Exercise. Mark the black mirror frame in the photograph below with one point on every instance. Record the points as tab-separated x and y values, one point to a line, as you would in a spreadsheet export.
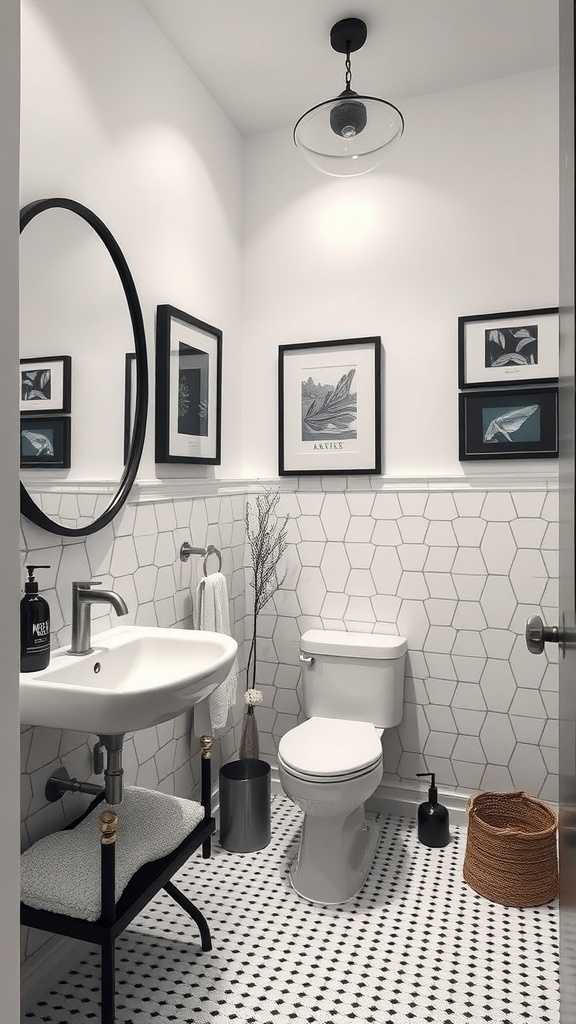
28	507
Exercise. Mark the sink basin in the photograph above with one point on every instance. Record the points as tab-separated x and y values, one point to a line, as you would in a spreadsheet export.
136	677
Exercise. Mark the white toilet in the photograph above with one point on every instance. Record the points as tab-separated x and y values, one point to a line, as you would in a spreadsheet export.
353	689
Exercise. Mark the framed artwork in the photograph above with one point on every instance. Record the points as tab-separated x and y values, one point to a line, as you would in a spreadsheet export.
188	388
45	384
129	400
329	407
45	441
521	423
500	349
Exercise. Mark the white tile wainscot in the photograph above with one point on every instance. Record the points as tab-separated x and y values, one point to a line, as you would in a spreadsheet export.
456	565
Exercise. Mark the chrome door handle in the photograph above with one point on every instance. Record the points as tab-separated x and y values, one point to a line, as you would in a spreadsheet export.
537	634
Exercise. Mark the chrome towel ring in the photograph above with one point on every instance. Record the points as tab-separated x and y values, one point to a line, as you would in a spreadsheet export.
186	550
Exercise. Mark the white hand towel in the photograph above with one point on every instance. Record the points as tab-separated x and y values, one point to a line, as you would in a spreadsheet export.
213	614
61	872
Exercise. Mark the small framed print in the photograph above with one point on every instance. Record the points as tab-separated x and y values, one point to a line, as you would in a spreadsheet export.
45	441
501	349
521	423
329	407
129	400
188	388
45	384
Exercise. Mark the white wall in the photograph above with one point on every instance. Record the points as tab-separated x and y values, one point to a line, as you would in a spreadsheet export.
112	117
9	758
461	218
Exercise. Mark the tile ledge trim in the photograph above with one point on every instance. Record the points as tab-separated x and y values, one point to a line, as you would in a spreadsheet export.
145	491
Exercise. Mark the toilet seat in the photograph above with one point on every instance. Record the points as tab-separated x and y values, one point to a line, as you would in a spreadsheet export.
330	750
327	779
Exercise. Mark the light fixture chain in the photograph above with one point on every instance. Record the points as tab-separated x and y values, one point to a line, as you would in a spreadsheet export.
348	77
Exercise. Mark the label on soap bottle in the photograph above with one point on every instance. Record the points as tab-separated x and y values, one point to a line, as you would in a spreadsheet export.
39	640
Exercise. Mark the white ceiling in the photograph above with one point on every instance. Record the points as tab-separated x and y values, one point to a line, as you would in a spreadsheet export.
267	61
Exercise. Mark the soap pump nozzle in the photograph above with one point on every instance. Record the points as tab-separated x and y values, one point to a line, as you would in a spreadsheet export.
433	826
432	790
31	586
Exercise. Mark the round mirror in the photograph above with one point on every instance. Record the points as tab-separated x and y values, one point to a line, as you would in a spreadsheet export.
83	370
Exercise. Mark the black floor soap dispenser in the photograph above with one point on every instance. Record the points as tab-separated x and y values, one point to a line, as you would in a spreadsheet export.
433	825
34	626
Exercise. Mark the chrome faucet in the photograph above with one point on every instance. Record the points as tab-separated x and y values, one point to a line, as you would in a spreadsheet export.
82	598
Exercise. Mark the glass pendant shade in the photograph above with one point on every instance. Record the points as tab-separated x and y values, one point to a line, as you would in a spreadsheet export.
348	135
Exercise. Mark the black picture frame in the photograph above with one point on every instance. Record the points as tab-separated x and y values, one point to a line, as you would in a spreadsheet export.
55	452
308	375
129	401
45	385
498	350
485	433
188	388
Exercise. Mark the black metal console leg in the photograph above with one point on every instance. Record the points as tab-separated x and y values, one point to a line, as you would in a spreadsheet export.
193	912
108	982
206	743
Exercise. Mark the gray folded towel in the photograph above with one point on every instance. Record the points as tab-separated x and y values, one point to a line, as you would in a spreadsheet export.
61	872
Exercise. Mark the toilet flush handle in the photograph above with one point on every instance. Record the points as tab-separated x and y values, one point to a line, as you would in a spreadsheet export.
307	659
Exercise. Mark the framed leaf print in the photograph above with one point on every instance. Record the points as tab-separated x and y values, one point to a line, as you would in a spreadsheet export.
45	441
329	407
521	423
500	349
45	384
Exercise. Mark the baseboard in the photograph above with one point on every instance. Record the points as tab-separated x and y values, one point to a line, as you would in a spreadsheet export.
43	969
398	798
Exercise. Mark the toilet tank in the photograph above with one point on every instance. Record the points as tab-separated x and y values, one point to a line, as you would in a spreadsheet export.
353	676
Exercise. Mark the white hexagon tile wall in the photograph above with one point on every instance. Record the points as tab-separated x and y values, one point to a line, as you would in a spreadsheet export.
455	571
457	574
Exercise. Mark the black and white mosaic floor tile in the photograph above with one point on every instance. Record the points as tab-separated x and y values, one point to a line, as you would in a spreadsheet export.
417	945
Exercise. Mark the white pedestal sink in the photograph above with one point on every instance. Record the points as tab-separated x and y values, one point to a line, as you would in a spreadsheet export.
136	677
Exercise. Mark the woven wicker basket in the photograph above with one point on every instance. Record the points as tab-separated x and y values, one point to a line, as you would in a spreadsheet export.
511	855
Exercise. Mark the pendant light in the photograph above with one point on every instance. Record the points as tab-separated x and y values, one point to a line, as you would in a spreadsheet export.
348	135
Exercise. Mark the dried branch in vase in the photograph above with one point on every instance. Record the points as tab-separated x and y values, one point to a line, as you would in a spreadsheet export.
267	540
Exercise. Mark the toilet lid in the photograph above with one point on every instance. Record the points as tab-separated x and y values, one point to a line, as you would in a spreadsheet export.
330	747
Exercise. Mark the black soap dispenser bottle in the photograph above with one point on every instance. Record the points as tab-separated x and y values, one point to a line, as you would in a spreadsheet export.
34	626
433	823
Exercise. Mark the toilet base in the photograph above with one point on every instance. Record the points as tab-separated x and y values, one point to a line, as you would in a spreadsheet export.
334	858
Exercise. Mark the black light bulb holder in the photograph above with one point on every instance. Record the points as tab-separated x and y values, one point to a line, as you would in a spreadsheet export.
349	116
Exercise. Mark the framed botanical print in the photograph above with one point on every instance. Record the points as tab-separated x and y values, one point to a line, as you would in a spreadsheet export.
45	384
45	441
329	406
501	349
521	423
